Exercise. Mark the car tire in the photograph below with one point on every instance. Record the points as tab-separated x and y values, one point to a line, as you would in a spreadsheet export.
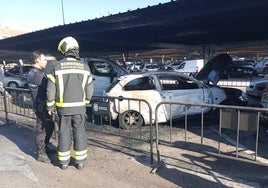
130	119
13	85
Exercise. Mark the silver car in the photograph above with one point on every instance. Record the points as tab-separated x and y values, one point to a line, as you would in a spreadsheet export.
264	104
255	89
15	81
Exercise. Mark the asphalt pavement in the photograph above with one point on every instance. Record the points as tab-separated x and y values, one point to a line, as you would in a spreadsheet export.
110	166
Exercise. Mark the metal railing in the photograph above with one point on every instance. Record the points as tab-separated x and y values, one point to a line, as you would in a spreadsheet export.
18	107
17	101
102	111
229	117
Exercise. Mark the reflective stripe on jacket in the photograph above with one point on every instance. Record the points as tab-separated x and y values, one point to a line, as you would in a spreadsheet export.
69	87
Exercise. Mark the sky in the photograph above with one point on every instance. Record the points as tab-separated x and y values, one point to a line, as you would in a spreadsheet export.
32	15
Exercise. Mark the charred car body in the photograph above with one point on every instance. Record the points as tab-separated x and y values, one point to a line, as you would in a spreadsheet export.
104	71
165	86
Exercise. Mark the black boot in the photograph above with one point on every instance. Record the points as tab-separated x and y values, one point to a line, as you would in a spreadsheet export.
50	149
81	164
42	157
64	166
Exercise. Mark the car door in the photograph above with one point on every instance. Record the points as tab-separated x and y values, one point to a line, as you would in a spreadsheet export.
104	71
177	88
144	88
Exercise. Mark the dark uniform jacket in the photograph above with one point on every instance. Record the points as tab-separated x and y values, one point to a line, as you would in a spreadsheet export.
38	85
69	87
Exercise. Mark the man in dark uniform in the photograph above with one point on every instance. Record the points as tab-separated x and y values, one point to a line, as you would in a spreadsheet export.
44	124
69	89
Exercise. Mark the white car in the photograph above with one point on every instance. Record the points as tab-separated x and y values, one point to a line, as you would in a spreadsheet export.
135	67
104	71
190	67
150	67
155	87
172	66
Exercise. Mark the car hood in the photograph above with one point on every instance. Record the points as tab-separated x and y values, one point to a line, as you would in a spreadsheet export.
218	64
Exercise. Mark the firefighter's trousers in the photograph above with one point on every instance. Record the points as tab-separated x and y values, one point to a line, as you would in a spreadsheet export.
72	125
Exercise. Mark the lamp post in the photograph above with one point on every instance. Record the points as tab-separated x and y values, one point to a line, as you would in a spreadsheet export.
62	10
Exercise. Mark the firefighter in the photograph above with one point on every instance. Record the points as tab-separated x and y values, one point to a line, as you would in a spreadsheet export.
69	89
44	124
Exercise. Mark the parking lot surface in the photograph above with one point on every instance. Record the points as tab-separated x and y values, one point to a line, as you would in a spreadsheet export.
119	162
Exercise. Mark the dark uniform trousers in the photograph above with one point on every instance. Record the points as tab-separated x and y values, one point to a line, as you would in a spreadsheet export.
44	130
68	124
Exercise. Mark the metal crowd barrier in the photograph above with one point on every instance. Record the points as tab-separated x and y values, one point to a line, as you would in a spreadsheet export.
17	101
100	119
18	107
237	118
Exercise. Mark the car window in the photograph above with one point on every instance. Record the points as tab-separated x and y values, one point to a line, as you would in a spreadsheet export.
144	83
112	85
100	68
181	66
174	82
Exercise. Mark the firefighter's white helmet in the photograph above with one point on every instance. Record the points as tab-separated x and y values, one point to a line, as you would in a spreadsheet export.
66	44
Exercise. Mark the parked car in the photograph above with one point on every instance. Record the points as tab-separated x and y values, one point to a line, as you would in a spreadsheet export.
104	71
16	71
240	68
255	88
103	68
156	87
172	65
150	67
264	104
135	67
260	68
190	67
15	81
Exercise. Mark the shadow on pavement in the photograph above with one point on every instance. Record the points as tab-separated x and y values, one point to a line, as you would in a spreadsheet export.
24	138
208	169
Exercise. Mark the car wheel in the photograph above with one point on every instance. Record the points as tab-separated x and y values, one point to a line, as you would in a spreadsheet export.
13	85
130	119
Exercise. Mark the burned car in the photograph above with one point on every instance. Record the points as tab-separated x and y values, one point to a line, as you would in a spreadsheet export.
104	71
156	87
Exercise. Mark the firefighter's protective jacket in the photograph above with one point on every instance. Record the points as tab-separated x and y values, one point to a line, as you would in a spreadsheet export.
69	87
